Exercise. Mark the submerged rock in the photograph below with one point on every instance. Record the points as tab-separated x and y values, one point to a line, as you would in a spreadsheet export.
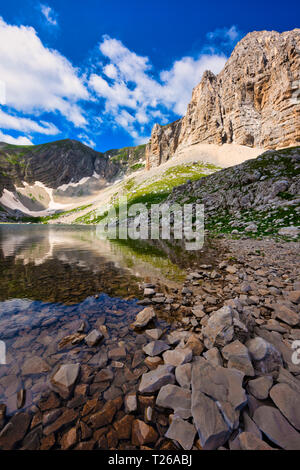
93	338
63	381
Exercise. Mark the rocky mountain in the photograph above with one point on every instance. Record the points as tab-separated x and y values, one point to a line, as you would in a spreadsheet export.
39	177
260	197
253	101
53	164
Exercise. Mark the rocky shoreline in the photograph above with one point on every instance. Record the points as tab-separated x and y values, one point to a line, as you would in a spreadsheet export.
221	376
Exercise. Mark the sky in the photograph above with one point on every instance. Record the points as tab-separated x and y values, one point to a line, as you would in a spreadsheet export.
105	71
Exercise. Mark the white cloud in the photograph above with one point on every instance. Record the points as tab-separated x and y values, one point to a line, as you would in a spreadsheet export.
49	14
15	140
38	79
126	81
86	140
8	121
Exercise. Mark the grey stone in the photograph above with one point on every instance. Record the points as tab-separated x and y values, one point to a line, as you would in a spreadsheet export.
213	431
64	379
222	385
154	334
288	402
266	357
213	355
144	317
278	430
175	398
182	432
250	426
219	329
260	387
238	357
286	315
93	338
183	375
286	377
155	379
178	356
155	348
249	441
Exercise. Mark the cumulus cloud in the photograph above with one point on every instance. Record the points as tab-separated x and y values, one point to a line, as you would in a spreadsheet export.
134	97
15	140
49	14
7	121
38	79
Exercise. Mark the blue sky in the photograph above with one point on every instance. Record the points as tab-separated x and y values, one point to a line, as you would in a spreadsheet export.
104	72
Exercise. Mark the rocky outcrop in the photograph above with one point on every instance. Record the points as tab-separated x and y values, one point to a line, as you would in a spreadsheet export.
253	101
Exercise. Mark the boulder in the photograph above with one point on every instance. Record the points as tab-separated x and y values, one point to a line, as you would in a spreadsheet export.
260	387
178	356
154	380
144	317
277	429
182	432
266	358
154	333
223	387
249	441
213	355
93	338
183	374
286	315
219	329
155	348
175	398
288	402
238	357
63	381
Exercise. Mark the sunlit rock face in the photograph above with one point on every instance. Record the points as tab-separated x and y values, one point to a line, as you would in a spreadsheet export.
254	101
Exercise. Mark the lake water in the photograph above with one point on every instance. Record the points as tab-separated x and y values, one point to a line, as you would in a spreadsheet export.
54	277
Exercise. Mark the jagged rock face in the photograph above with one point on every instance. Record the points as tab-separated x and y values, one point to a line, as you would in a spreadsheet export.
52	164
254	101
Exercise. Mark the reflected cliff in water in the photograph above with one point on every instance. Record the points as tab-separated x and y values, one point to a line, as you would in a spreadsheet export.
67	263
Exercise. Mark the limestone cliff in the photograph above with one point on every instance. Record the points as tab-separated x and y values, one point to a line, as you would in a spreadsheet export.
253	101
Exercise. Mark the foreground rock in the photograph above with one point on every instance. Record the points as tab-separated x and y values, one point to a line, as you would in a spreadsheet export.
278	430
14	431
182	432
217	398
154	380
176	398
288	402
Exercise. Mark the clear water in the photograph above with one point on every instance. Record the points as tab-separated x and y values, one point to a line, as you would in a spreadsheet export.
54	277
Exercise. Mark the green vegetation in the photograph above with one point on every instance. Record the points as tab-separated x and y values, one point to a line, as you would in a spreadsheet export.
152	191
57	215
